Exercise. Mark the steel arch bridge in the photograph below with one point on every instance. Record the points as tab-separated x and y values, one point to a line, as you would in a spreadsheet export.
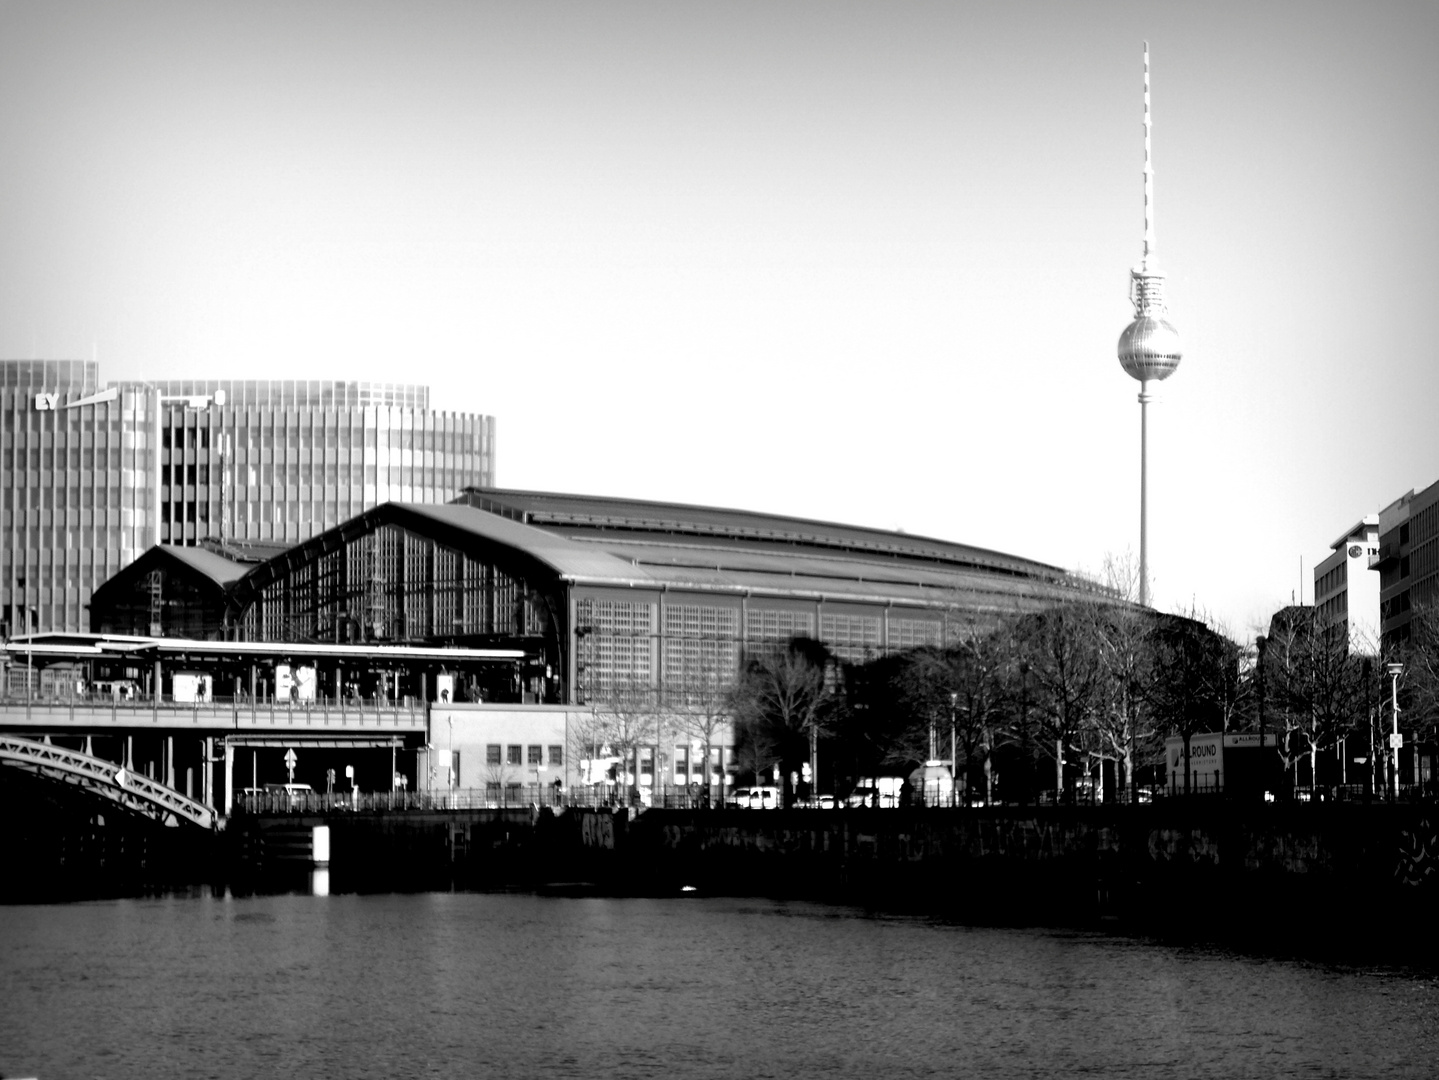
136	793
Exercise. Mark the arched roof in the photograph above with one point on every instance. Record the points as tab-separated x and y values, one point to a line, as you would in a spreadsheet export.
587	540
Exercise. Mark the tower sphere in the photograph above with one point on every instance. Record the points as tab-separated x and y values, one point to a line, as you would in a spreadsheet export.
1149	348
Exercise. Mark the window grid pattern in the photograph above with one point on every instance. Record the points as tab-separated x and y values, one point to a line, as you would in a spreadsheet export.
701	650
906	634
279	462
393	585
615	648
852	638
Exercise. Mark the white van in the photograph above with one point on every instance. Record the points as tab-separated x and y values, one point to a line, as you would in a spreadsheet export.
289	795
755	798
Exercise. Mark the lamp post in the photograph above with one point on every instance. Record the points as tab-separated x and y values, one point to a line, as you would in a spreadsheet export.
953	746
1395	740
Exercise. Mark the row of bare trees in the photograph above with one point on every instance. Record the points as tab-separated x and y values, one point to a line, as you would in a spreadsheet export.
1076	700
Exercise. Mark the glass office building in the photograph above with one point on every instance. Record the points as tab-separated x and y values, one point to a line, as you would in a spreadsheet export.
94	475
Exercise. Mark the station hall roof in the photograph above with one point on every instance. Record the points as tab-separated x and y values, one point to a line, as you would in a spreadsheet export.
628	543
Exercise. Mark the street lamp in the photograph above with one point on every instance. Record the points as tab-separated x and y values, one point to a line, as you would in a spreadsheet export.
1395	740
953	750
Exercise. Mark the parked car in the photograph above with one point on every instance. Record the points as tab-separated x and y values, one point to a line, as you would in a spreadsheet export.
289	795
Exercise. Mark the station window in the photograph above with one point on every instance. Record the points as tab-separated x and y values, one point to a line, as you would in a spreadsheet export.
536	756
492	754
557	755
512	755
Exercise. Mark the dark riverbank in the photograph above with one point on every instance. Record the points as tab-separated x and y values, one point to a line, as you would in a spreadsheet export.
1313	876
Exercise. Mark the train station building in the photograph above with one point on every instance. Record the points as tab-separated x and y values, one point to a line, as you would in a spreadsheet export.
614	610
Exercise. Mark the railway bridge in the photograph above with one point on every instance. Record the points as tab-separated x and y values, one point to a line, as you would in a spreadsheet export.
182	728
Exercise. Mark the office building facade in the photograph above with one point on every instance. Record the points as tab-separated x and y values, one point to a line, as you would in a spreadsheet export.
94	475
1408	561
1346	591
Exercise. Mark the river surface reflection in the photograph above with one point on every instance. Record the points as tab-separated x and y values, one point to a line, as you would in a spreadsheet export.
528	986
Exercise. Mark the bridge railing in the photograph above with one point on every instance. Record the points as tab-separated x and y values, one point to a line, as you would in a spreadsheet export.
408	714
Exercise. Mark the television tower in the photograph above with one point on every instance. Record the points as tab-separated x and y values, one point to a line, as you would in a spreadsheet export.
1149	347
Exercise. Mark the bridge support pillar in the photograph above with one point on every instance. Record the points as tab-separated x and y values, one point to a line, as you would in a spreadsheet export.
209	780
169	761
229	776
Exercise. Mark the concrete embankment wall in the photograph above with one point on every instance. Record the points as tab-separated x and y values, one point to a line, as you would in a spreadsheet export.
1205	861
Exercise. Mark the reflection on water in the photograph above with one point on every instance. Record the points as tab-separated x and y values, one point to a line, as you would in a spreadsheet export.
525	986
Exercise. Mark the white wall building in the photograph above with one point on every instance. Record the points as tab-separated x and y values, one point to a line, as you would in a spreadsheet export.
1346	591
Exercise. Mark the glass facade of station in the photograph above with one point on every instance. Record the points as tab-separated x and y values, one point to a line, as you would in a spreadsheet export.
92	475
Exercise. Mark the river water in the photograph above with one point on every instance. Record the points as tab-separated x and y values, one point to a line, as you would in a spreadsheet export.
507	985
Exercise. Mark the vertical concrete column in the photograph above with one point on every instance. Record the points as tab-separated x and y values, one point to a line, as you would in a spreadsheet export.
169	761
208	783
229	776
159	682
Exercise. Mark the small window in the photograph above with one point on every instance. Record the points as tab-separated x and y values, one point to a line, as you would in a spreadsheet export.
535	755
513	755
492	754
557	755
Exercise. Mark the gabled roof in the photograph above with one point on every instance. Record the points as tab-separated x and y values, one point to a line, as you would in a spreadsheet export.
217	568
218	571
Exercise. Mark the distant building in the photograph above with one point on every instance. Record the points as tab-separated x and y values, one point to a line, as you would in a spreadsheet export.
1346	591
1407	561
95	475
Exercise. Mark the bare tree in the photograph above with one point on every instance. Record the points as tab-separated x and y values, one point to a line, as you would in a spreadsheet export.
1421	672
1065	678
961	684
624	722
780	703
699	710
1317	684
1124	719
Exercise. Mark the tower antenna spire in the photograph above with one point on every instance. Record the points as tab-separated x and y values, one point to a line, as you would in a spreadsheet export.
1150	251
1149	348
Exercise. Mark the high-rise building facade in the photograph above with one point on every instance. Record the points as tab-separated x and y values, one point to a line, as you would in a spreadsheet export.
1408	561
93	475
1346	591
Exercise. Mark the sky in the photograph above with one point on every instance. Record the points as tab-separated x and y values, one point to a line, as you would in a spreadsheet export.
858	262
